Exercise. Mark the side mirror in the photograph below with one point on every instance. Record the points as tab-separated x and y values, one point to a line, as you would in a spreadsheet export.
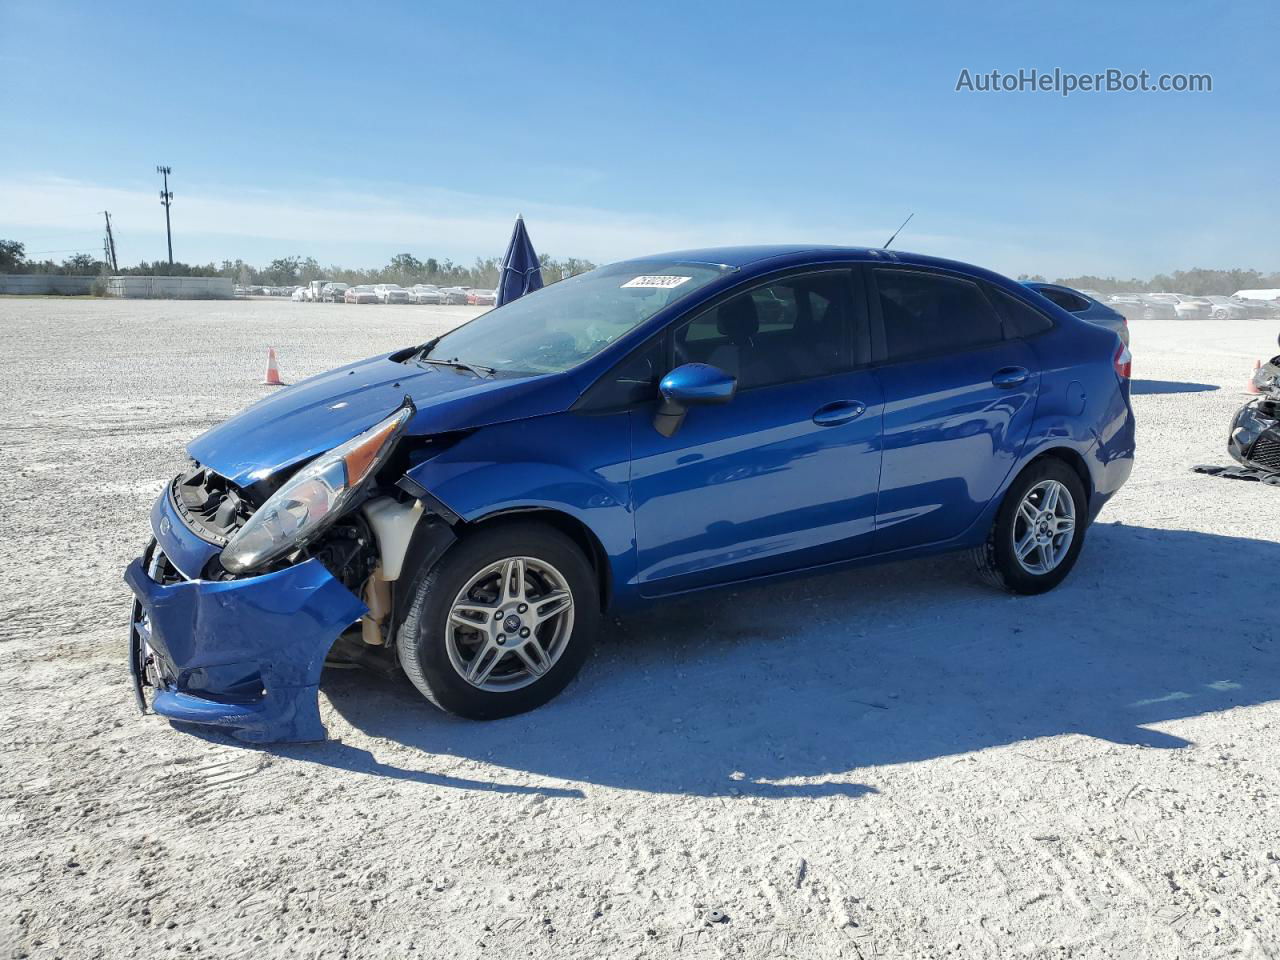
691	385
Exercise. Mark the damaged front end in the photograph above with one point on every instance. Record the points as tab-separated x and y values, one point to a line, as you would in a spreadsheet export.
243	592
1254	438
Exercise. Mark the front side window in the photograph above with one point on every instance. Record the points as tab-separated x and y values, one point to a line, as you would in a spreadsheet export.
788	330
930	313
558	327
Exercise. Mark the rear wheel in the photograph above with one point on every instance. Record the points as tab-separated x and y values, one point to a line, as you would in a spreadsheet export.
1038	531
502	623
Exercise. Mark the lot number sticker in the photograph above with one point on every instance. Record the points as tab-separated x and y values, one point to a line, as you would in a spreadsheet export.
659	282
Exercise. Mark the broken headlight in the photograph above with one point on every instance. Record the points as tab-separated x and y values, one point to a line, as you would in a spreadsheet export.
1267	376
313	497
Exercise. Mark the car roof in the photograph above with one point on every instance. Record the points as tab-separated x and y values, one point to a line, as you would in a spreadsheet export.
758	259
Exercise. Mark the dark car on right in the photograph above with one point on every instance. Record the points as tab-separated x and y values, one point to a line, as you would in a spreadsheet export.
1254	439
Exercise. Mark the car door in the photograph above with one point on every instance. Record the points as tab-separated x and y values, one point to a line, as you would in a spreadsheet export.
785	475
959	397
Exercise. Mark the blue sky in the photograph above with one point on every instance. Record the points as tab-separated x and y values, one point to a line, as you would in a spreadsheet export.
351	133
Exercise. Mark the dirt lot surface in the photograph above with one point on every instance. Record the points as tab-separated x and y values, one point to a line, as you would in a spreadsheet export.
895	762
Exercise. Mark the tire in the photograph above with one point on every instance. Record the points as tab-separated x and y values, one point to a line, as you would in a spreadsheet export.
433	651
997	559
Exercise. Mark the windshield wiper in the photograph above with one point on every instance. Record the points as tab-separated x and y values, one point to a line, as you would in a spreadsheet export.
479	370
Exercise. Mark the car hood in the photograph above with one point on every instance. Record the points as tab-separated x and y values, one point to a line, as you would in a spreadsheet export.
306	419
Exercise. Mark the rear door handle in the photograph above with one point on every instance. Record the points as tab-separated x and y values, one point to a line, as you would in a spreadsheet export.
842	411
1009	377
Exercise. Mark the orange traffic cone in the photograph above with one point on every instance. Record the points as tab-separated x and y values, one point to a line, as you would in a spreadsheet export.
273	372
1249	385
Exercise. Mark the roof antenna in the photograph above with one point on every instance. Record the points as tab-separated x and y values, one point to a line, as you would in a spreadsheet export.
898	231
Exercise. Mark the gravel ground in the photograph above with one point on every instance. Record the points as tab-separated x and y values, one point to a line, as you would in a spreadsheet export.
895	762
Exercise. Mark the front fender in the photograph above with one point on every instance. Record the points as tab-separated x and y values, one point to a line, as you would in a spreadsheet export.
571	463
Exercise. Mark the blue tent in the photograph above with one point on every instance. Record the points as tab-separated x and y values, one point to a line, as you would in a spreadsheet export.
520	271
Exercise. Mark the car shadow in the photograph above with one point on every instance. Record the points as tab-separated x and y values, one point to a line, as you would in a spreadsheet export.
804	687
1169	386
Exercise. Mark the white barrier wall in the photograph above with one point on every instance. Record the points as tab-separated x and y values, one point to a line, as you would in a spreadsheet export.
171	288
37	283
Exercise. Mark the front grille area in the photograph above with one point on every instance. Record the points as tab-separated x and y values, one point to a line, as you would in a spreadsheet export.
210	505
1265	452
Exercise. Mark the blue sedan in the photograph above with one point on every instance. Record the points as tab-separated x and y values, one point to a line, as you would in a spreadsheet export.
470	508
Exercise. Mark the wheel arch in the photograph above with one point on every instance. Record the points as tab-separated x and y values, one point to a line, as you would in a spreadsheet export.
566	523
1072	459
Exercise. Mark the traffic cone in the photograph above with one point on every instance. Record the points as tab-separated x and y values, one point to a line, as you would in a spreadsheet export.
1249	385
273	372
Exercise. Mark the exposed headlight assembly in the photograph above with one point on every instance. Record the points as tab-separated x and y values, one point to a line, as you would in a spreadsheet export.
1267	376
313	497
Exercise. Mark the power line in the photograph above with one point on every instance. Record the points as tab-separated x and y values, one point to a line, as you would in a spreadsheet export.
166	198
109	246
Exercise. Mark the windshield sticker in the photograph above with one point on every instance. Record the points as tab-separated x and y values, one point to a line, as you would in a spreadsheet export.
660	282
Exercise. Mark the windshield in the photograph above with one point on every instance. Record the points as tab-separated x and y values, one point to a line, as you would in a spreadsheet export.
560	326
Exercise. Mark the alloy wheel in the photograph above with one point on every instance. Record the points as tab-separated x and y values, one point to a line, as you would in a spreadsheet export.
1044	527
510	624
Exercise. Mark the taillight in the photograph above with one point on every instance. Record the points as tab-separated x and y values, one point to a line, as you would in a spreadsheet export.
1123	362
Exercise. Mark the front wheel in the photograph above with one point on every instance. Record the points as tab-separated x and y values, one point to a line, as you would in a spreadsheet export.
502	623
1038	531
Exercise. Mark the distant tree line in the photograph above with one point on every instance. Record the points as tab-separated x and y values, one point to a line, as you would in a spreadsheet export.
404	268
1196	282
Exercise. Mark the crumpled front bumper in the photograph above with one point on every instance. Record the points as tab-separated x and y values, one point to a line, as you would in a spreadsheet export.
1254	438
241	655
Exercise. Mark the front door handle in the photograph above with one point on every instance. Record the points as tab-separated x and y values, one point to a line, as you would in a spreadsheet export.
1010	377
842	411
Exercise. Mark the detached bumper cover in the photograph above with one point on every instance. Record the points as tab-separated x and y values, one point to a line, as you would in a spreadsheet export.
1254	439
241	655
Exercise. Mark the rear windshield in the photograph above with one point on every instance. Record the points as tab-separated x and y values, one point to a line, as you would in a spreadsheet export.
560	326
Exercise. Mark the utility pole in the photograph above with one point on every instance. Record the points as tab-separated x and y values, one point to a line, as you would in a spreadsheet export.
166	198
109	246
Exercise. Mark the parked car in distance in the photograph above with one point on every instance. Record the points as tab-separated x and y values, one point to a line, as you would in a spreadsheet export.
361	293
425	293
1227	308
334	292
1131	306
1185	307
475	508
299	294
391	293
1154	309
453	296
482	298
1259	309
1084	307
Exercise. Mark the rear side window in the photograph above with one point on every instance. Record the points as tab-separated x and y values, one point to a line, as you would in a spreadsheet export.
1021	319
928	313
1068	301
789	330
